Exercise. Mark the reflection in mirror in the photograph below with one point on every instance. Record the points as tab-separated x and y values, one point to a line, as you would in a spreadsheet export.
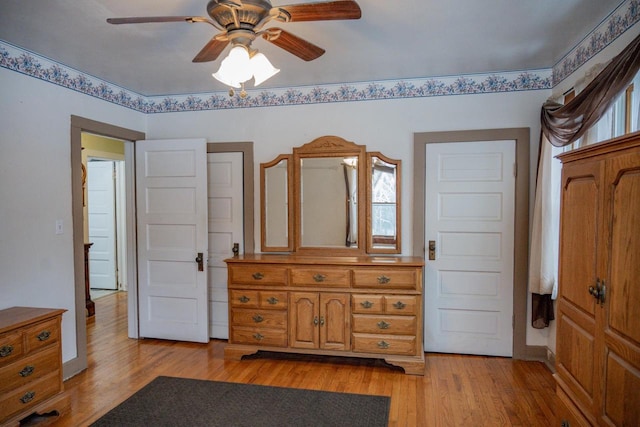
276	208
384	220
329	202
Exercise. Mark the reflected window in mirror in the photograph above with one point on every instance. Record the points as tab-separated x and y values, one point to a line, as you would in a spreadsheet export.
383	204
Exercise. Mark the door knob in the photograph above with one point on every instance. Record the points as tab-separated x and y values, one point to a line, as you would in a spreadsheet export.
432	250
200	261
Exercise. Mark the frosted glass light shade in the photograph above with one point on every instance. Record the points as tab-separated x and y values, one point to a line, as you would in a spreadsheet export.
235	68
262	68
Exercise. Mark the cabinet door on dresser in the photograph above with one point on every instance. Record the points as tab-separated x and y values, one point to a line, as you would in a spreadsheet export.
577	358
319	320
621	327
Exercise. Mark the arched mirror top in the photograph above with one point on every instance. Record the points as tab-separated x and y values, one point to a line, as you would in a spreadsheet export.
319	200
329	190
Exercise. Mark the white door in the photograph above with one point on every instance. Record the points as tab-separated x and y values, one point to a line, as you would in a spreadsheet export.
171	200
470	208
102	224
226	219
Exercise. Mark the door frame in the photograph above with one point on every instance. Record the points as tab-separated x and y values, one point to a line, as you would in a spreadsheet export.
80	125
246	148
521	232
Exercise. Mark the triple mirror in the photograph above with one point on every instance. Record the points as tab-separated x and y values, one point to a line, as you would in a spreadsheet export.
330	196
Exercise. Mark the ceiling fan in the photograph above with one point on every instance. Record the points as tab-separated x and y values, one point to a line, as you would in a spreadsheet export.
239	22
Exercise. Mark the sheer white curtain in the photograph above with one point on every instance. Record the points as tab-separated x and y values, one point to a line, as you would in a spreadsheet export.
543	262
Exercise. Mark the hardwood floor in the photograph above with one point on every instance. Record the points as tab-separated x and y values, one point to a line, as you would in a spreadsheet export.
455	390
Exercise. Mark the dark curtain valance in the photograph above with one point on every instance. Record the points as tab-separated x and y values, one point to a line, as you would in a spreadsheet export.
563	125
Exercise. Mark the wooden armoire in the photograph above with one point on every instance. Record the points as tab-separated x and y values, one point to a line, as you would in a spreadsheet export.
598	321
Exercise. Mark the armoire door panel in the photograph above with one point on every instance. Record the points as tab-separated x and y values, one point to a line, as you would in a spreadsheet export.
579	238
623	287
576	355
622	391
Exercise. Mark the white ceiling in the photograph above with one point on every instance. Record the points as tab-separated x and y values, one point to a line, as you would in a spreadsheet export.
394	39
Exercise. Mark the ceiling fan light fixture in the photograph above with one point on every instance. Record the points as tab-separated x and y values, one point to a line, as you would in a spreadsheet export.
235	68
262	69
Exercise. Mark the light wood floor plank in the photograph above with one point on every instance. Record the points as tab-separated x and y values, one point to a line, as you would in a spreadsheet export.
456	390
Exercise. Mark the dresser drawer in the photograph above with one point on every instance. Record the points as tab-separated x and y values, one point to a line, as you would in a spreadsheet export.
29	369
394	325
384	279
385	344
257	318
273	300
321	276
11	347
244	298
373	304
21	399
42	334
258	299
258	336
257	274
401	304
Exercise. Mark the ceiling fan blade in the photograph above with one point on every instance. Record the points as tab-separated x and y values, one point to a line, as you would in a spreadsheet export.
211	50
323	11
293	44
147	19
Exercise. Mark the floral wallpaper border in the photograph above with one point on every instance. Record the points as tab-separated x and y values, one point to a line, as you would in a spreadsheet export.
620	20
17	59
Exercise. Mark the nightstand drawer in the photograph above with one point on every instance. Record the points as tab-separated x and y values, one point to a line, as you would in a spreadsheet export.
372	324
385	279
257	274
11	347
42	334
23	398
385	344
29	369
322	276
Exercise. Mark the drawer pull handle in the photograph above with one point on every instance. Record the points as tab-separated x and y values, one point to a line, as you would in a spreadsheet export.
28	370
257	318
315	321
321	320
319	277
383	280
6	350
44	335
258	276
383	325
258	336
272	300
399	305
28	397
244	299
366	304
383	344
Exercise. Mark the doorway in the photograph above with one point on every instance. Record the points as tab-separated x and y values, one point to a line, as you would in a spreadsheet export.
80	125
521	219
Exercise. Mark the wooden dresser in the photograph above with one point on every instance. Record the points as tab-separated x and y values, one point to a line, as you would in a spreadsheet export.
360	306
31	364
598	321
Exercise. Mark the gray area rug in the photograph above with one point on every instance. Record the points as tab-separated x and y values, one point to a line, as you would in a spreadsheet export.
169	401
